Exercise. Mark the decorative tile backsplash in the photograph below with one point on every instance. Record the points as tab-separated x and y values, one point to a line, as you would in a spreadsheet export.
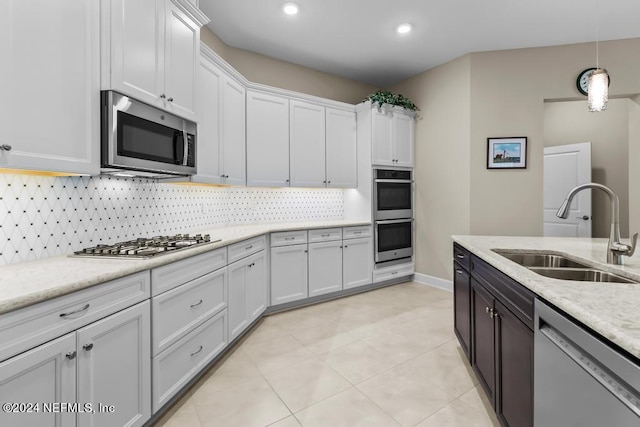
46	216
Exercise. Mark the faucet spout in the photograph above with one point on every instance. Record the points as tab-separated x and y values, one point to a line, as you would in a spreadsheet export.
615	249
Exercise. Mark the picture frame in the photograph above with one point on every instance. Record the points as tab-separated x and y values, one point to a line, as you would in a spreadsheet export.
507	152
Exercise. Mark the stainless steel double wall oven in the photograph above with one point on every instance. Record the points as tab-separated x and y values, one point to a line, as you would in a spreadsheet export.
393	215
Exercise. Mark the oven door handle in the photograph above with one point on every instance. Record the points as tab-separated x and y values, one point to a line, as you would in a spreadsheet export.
394	181
394	221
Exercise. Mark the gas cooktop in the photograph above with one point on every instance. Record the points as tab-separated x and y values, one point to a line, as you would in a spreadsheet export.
146	247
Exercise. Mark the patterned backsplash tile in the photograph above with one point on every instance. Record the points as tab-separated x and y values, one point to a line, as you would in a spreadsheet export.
46	216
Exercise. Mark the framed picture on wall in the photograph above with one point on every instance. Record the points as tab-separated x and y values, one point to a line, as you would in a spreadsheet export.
507	152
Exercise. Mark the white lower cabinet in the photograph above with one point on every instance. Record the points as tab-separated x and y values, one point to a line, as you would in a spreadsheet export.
248	288
44	374
357	262
289	274
109	360
325	267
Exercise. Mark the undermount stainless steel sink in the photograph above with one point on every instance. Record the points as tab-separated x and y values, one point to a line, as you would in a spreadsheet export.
581	274
538	259
560	267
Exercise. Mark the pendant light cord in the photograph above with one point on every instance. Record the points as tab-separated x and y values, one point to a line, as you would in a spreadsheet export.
597	37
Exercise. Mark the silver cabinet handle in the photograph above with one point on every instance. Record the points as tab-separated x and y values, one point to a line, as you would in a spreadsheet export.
328	182
493	314
324	182
306	251
486	310
325	235
170	99
71	355
163	96
289	238
357	232
196	304
345	246
80	310
5	147
197	351
248	247
584	217
88	347
459	271
395	272
460	256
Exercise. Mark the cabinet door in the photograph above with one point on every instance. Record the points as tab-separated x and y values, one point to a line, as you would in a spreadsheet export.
403	139
307	144
209	124
233	132
137	49
49	115
325	267
256	286
114	368
341	149
289	280
237	304
462	307
381	137
514	399
357	262
45	375
483	345
182	50
267	140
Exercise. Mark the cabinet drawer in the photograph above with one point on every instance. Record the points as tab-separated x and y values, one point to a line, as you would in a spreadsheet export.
288	238
394	272
175	366
246	247
356	232
177	273
325	234
181	309
461	256
28	327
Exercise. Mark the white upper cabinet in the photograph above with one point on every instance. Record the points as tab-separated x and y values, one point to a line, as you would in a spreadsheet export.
307	144
221	126
341	151
392	137
267	140
151	51
232	149
50	84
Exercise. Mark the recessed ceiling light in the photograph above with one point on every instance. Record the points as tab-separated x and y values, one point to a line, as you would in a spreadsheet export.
290	8
403	28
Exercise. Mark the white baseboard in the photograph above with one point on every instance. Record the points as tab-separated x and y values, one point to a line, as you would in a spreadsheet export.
436	282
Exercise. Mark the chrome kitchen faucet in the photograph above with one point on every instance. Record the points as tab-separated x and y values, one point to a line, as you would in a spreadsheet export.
615	249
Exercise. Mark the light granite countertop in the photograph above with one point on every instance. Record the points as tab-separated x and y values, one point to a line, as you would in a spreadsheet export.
611	309
32	282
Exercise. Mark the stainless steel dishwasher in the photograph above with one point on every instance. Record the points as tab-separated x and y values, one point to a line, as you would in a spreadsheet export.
580	381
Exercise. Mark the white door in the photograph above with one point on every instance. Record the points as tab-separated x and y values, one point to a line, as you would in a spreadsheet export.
50	85
289	270
237	303
307	144
403	126
267	140
357	262
325	267
256	286
46	374
114	368
565	167
381	137
208	105
233	132
182	51
341	149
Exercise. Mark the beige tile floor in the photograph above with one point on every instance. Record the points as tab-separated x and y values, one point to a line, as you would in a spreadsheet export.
382	358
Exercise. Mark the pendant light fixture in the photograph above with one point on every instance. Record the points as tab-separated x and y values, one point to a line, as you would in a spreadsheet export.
598	83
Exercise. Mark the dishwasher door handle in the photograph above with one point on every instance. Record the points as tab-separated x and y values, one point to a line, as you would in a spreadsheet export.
618	389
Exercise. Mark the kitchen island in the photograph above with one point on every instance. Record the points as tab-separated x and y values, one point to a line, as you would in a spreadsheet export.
610	309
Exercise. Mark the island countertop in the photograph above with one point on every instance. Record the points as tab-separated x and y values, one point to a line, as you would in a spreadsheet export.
610	309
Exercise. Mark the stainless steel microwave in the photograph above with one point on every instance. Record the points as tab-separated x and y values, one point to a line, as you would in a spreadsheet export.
140	140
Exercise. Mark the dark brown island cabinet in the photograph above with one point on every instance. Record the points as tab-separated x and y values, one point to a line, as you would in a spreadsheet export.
493	320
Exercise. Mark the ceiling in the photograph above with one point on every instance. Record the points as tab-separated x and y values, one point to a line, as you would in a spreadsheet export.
357	39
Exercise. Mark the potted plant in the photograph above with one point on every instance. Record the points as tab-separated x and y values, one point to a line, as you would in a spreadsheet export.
385	97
